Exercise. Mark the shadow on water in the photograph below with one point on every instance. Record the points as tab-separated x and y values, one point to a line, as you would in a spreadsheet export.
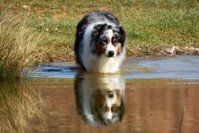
20	107
100	98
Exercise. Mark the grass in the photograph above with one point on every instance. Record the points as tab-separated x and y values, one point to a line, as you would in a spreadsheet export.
153	27
18	46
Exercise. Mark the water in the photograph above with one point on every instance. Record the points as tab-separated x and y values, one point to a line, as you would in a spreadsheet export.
150	95
178	67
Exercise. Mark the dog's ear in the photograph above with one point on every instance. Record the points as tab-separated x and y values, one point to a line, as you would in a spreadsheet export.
98	29
123	35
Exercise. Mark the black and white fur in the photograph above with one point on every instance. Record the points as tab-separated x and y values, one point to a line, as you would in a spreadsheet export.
99	45
100	99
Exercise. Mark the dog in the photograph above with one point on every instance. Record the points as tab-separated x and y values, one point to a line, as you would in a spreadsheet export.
100	99
100	43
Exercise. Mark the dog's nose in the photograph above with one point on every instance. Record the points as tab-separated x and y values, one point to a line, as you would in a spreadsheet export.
110	95
110	53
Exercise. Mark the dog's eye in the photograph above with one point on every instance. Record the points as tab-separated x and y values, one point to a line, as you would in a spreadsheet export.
105	41
113	108
115	40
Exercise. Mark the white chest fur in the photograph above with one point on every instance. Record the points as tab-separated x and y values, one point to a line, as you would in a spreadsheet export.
96	63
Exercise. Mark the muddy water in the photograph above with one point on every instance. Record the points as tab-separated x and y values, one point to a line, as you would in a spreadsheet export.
149	95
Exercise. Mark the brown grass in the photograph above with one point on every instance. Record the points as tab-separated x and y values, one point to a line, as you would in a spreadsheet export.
18	45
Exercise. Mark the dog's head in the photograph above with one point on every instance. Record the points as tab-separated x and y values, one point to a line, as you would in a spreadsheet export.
108	106
108	40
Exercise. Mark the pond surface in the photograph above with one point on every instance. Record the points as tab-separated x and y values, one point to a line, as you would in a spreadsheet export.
152	95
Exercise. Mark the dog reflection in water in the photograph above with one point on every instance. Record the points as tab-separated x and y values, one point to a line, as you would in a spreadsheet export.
100	98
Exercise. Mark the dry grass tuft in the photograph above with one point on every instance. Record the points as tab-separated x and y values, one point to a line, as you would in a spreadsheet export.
18	45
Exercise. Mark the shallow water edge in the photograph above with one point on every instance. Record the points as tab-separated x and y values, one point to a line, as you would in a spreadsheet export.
151	95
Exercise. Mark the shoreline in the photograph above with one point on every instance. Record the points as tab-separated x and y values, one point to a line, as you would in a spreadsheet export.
175	50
